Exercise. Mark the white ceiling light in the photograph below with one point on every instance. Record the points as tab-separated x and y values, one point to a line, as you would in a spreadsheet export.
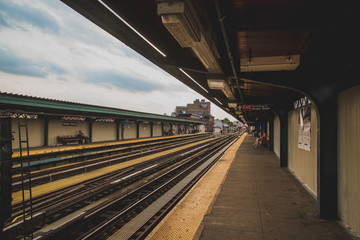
135	31
218	101
277	63
193	80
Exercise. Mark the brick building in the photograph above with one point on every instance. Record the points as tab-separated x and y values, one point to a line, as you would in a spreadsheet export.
196	109
201	108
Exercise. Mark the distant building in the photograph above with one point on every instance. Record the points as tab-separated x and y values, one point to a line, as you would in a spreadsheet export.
199	110
218	126
208	123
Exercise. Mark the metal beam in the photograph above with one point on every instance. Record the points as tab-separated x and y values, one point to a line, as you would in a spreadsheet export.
5	170
231	59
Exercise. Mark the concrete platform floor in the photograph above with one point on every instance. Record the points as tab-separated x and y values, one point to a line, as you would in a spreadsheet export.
260	200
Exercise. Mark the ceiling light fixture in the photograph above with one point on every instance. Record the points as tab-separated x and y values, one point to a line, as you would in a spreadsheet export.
193	80
232	105
135	31
181	20
221	84
273	63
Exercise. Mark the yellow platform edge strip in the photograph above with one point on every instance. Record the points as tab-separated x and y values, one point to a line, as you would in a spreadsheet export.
184	220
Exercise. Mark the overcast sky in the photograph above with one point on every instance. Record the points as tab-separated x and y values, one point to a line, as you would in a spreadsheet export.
49	50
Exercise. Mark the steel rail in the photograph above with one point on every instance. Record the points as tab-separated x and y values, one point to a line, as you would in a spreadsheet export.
130	228
127	209
48	175
53	205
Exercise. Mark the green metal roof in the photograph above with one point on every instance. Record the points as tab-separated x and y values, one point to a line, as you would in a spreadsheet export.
14	101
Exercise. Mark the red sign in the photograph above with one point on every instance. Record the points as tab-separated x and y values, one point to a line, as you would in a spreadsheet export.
247	107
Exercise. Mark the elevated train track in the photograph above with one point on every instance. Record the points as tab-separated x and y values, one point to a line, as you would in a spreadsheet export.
55	156
85	163
84	208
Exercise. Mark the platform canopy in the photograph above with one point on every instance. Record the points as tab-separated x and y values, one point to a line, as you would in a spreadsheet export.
20	106
250	58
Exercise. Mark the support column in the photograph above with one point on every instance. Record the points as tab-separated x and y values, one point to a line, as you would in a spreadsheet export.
171	128
122	130
90	131
265	128
117	130
283	115
46	132
5	169
138	129
327	193
162	129
271	134
151	129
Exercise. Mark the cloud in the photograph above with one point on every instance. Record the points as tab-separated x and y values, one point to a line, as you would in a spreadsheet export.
17	15
11	63
121	81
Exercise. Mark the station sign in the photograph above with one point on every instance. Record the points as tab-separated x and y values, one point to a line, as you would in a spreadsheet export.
253	107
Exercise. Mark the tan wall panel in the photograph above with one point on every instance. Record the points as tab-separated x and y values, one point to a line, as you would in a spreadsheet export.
57	129
144	130
277	136
35	131
349	157
103	131
303	163
130	130
157	130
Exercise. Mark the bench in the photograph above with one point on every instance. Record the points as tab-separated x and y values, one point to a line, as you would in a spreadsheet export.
64	140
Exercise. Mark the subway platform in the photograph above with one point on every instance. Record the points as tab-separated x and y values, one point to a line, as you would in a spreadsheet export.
246	195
